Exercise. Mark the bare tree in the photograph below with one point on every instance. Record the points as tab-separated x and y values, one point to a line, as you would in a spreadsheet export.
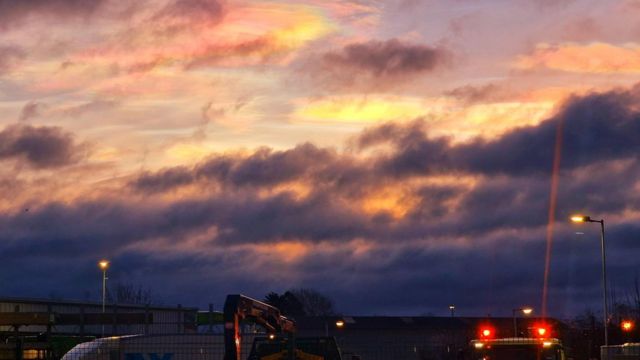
313	302
301	302
288	304
129	293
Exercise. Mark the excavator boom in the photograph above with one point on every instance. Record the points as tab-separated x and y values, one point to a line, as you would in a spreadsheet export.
240	307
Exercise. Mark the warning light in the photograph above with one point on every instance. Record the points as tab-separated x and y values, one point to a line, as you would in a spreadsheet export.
541	331
486	332
627	325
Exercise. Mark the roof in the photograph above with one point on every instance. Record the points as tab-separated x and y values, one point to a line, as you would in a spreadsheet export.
417	322
91	303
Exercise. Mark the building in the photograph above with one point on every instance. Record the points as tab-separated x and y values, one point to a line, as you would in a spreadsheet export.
399	338
46	329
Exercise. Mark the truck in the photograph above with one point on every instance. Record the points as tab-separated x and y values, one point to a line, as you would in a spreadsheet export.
517	349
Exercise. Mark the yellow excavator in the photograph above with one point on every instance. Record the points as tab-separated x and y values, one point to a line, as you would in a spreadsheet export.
280	342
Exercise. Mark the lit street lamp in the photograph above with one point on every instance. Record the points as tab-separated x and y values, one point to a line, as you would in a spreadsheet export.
339	325
581	219
104	264
524	310
452	308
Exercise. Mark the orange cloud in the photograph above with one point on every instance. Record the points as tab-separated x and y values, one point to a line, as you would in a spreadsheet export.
247	35
592	58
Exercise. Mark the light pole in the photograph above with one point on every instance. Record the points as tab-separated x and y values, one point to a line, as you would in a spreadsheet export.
104	264
581	219
526	311
452	308
339	325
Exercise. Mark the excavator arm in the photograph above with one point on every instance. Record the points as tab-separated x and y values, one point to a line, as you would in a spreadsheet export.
240	307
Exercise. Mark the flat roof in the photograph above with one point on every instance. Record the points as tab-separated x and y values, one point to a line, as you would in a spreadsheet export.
39	301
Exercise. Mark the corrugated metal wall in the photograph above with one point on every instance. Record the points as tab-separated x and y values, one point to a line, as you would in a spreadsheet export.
165	320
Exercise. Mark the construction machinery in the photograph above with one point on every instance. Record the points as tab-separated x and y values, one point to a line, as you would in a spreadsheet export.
280	342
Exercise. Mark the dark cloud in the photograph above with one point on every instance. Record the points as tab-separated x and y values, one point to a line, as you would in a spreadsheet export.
41	147
596	127
483	235
387	58
375	64
512	173
264	167
13	12
164	180
196	11
31	110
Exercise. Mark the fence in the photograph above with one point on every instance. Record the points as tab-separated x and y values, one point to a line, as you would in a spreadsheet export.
629	351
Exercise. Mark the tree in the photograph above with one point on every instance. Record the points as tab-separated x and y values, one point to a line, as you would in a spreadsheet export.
287	303
313	302
128	293
301	302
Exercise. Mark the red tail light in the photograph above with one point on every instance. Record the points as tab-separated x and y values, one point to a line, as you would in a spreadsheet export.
487	332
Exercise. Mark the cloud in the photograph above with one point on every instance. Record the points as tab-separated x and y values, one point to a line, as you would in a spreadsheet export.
399	208
13	12
387	58
31	110
10	56
40	147
90	106
194	34
596	127
597	58
376	63
264	167
198	11
470	94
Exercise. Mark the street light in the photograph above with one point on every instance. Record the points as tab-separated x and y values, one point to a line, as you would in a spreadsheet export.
582	219
524	310
104	264
452	308
339	325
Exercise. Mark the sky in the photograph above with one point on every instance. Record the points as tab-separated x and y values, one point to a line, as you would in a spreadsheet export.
397	156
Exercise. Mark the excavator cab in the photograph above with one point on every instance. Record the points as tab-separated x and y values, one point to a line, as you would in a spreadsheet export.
306	348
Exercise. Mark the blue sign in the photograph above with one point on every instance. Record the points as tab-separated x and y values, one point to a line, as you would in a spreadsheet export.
148	356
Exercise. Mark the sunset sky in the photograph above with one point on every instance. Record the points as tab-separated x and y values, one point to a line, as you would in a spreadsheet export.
396	156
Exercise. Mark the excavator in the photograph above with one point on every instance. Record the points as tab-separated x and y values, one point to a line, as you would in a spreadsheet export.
280	342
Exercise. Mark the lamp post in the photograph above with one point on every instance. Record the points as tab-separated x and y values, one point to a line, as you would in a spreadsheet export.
452	308
104	264
339	325
524	310
581	219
